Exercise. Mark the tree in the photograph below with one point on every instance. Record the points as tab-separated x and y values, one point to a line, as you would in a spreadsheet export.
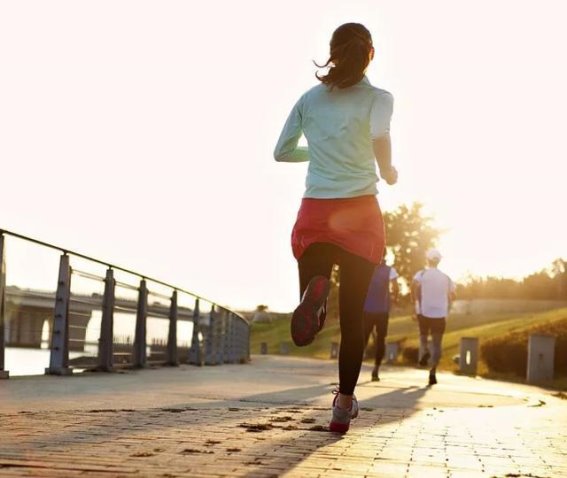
559	271
409	234
547	284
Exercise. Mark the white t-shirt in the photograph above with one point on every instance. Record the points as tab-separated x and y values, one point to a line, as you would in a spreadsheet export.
435	289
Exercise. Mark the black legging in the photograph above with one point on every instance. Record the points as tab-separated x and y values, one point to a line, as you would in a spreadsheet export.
380	321
356	273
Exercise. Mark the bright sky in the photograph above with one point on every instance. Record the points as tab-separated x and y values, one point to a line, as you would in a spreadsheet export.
141	132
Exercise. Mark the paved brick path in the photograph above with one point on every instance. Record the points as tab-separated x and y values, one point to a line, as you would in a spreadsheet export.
267	419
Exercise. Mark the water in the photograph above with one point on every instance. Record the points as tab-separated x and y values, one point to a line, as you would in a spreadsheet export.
24	361
29	361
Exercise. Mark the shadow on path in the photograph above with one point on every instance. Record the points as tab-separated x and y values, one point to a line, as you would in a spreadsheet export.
280	431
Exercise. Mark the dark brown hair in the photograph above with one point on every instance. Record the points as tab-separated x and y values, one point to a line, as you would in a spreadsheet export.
350	54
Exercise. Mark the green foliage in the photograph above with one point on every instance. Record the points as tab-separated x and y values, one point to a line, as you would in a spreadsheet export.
547	284
509	353
484	326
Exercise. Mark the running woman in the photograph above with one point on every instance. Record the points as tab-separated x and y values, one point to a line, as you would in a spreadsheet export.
346	122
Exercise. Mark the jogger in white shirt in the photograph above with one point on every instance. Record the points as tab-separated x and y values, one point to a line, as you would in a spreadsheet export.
433	291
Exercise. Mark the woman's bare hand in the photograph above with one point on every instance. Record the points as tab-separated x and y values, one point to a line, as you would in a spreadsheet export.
390	175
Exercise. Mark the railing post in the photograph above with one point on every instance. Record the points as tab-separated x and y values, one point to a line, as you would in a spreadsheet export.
227	355
233	338
139	352
236	342
195	356
3	373
222	336
244	342
172	336
211	339
105	342
59	359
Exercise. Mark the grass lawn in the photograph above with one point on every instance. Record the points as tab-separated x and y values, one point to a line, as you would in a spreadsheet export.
483	326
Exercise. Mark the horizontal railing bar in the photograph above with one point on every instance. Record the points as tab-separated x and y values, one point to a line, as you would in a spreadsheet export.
157	294
113	266
125	309
126	286
86	302
157	315
88	275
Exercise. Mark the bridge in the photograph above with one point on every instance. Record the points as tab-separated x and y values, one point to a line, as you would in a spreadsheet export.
28	311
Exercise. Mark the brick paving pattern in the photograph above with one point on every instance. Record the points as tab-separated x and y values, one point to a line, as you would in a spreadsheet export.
231	430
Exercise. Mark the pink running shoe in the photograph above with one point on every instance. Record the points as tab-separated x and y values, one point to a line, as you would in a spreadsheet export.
340	422
305	321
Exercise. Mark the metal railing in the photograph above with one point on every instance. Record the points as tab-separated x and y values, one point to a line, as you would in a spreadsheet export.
219	336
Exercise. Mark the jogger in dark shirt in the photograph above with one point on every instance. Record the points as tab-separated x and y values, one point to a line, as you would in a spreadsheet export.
377	310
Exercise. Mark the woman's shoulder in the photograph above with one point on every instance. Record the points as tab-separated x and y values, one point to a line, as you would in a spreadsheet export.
316	90
381	99
379	92
321	91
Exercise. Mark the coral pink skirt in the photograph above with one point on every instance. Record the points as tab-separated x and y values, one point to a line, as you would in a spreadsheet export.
354	224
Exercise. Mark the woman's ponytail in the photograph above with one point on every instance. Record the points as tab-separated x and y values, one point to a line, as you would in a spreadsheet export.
351	45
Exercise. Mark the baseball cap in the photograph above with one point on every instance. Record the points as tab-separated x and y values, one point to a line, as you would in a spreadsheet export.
433	254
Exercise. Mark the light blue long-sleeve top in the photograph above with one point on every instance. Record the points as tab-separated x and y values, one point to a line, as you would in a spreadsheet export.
339	125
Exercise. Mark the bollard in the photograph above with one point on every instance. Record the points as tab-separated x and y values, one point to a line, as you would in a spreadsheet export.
284	348
541	354
392	351
264	348
334	350
3	373
468	356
